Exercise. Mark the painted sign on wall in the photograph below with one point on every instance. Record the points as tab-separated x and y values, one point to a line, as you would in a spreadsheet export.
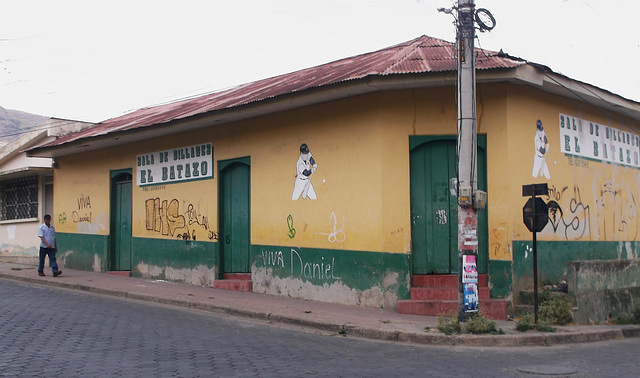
175	165
593	141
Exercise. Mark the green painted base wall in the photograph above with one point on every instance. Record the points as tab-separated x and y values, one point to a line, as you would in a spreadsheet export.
500	278
176	260
158	256
192	262
82	251
371	279
554	256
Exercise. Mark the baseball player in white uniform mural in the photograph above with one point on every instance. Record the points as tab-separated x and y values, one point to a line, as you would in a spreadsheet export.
305	168
542	147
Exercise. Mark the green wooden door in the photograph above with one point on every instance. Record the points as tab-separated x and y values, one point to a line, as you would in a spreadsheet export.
433	208
234	214
121	223
434	211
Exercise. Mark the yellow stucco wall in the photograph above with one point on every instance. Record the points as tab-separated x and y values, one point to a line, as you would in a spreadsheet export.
81	192
362	182
597	199
361	146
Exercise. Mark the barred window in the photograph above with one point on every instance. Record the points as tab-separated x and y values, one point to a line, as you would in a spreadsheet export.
19	198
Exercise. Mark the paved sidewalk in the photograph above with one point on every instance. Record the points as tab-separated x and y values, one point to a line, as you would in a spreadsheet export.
351	321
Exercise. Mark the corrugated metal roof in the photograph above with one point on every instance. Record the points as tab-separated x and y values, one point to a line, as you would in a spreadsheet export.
421	55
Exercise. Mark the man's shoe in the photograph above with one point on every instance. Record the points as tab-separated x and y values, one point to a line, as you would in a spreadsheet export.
56	273
41	274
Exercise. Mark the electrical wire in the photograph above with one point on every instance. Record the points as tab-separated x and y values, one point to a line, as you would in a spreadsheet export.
605	111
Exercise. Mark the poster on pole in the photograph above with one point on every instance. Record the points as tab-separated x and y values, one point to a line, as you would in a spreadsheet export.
471	297
470	282
469	269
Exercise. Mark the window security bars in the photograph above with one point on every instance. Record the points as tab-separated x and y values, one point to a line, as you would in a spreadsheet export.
19	198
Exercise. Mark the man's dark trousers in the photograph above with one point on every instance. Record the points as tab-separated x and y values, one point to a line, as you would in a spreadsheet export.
51	252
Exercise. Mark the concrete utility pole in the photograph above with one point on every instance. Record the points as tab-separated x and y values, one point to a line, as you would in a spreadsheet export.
465	186
467	158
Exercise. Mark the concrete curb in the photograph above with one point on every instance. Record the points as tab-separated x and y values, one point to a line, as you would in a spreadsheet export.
631	331
467	340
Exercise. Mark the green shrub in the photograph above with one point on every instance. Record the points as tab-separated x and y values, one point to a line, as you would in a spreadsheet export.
545	327
525	322
555	308
448	324
479	323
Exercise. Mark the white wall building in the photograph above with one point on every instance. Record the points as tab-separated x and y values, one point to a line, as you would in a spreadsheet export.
26	190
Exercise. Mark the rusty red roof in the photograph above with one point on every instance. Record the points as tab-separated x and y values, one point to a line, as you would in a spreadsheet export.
420	55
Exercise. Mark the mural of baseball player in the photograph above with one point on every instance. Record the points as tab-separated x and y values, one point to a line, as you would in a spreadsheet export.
542	147
305	168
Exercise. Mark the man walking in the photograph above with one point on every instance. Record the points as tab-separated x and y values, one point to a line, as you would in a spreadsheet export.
47	235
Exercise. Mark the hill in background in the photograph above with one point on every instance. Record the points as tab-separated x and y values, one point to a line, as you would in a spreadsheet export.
14	123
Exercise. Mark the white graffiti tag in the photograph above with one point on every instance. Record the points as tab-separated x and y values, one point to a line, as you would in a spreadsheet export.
335	235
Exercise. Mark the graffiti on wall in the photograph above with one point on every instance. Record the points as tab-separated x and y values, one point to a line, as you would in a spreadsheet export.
570	220
612	216
298	267
334	234
83	217
292	230
166	218
617	213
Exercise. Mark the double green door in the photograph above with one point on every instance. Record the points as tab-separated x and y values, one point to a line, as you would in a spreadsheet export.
434	210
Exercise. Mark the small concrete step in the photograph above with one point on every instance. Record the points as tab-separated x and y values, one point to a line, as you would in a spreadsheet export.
442	280
235	282
437	294
492	308
121	273
428	308
444	293
237	276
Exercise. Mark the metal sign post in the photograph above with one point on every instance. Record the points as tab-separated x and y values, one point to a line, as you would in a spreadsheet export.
535	215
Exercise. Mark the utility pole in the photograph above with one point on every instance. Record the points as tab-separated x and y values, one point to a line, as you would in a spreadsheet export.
467	158
465	186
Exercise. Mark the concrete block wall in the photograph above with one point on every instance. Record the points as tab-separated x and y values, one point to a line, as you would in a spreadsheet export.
603	289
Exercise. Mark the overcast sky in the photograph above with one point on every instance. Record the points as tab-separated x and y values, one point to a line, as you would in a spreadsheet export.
93	60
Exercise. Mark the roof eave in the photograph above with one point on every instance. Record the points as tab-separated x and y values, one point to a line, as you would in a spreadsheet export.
25	171
17	146
530	74
545	79
280	103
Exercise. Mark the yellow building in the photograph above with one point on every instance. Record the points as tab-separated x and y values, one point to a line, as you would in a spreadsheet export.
332	183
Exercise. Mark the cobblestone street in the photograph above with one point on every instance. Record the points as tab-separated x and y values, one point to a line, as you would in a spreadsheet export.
56	332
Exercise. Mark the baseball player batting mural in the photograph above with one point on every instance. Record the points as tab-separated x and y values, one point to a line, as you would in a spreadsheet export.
541	144
305	168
